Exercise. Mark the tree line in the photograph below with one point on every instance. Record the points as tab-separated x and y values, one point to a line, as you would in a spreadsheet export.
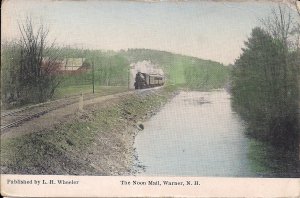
206	76
265	83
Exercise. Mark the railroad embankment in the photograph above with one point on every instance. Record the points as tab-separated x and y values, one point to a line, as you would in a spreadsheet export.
96	141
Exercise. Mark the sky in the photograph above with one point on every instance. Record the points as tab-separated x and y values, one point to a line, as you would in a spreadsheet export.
205	29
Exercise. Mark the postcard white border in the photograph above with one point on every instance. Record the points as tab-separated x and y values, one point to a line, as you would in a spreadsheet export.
111	186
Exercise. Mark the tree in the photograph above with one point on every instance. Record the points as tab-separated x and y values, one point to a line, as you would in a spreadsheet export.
10	59
39	64
265	88
280	25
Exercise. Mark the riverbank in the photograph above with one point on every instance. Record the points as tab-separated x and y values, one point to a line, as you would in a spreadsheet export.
98	141
269	161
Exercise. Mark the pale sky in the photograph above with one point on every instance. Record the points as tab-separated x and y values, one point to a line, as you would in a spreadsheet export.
203	29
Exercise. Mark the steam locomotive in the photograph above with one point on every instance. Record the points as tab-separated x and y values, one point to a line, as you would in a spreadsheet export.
144	80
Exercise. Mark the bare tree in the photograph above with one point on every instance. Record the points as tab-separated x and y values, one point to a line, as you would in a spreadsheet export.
297	6
286	30
39	63
281	25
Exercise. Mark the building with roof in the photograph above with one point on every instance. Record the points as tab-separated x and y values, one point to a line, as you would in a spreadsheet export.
72	64
69	65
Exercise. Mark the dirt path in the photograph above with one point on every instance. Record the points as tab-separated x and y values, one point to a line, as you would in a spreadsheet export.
53	118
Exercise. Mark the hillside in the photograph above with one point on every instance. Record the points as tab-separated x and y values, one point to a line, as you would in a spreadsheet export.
111	67
184	70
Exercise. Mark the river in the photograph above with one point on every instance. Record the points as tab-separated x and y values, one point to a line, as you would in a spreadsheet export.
195	134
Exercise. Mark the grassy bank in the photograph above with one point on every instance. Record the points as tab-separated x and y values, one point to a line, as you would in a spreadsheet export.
97	142
268	161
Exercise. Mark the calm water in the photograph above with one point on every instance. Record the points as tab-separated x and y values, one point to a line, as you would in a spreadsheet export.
196	134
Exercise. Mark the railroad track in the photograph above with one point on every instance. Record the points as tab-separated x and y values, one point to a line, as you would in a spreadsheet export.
34	111
15	117
15	123
14	112
42	109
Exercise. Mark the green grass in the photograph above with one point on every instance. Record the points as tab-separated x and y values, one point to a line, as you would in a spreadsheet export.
48	151
66	91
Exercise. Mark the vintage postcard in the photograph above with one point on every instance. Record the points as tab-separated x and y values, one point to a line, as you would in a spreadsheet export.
150	98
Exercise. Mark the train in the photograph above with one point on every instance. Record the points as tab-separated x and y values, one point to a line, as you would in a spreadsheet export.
145	80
